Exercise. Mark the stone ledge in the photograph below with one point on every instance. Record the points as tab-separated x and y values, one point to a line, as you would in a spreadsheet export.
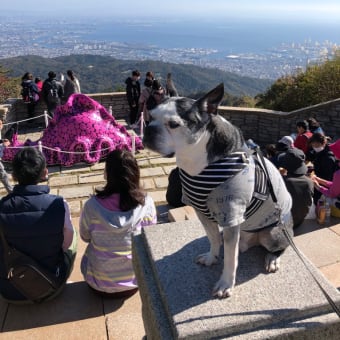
176	293
182	214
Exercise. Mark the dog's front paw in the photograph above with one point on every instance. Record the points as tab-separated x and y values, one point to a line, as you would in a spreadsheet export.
207	259
272	263
222	289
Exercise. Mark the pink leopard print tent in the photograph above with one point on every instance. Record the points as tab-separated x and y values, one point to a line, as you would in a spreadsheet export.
81	130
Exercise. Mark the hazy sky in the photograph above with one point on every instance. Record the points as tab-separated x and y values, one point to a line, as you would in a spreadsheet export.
326	10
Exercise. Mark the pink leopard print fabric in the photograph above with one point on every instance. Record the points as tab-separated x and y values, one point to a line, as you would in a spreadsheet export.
82	130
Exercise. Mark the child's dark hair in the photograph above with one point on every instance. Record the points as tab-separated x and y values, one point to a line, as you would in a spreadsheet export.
123	177
303	124
28	166
317	138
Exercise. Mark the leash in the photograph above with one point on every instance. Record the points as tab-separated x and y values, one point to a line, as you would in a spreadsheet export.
335	308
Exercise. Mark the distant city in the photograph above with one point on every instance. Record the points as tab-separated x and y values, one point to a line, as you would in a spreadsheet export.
53	38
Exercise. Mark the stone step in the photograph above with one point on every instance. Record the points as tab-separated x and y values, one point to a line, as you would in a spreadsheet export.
78	182
177	301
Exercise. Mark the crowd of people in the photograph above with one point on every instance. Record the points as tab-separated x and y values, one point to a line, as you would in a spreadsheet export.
52	91
142	100
307	160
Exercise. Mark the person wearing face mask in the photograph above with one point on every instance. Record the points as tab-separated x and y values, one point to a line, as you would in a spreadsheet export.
323	160
331	188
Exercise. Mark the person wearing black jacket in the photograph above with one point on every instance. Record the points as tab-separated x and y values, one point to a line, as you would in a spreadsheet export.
132	94
30	93
323	160
52	92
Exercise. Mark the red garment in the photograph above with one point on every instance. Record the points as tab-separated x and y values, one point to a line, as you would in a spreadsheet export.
39	86
301	141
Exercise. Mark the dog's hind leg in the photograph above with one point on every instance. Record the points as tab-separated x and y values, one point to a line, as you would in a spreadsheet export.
275	242
225	284
215	239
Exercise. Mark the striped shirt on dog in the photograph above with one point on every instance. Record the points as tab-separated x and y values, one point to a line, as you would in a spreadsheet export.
197	188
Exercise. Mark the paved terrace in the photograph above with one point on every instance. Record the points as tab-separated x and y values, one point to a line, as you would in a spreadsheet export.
78	313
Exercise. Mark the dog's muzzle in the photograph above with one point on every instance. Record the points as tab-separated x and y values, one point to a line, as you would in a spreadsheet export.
154	140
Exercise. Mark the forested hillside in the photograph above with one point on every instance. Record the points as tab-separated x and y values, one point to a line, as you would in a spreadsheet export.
104	74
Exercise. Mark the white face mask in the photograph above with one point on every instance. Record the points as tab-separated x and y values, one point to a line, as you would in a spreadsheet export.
319	149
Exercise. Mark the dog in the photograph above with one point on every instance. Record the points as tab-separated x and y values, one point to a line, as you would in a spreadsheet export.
224	181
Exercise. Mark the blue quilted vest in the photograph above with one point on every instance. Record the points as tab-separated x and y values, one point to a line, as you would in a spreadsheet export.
33	222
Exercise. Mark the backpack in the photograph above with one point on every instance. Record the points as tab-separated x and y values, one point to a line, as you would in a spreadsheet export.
27	276
52	96
28	95
151	102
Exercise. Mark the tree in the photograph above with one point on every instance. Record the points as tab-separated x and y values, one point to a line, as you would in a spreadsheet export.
9	87
319	83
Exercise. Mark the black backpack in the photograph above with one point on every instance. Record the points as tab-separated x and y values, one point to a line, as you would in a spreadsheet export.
53	96
27	93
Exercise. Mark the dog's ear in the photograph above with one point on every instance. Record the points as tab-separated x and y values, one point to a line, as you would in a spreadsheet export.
209	103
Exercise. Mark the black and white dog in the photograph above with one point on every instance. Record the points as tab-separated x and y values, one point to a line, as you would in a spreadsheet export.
223	181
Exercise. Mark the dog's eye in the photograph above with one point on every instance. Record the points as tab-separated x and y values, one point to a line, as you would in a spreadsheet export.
173	125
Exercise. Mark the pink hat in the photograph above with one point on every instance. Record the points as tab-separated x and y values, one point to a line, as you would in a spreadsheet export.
335	148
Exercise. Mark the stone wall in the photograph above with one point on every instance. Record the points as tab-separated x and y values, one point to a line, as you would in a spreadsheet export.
263	126
267	126
117	100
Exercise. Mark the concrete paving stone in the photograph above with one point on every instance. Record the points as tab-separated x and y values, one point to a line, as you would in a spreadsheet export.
54	191
162	160
152	172
127	314
76	275
76	314
60	180
169	168
98	166
158	196
75	168
78	191
75	207
91	178
322	247
147	183
161	182
143	163
332	273
336	228
54	169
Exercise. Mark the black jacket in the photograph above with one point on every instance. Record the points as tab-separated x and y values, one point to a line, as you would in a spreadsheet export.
132	91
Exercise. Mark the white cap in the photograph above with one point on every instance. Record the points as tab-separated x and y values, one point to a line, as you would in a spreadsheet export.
287	140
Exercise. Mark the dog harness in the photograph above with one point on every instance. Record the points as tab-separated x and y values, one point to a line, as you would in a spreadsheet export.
197	188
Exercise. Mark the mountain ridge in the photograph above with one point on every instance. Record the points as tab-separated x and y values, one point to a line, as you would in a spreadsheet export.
106	74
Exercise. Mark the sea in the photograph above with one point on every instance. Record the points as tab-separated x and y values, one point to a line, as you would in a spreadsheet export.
227	36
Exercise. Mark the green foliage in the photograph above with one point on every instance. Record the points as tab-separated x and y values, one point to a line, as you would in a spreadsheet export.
319	83
105	74
8	86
